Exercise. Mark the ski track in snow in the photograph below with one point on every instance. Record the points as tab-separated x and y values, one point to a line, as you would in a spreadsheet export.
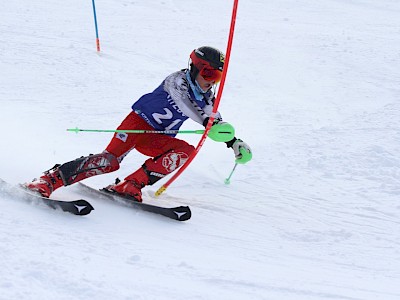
313	87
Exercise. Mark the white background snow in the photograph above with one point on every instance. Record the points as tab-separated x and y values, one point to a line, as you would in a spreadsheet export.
313	87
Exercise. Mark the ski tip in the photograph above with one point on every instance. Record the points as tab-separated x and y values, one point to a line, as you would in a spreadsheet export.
83	207
183	213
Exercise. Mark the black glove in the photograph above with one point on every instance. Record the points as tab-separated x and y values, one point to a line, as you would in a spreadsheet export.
216	121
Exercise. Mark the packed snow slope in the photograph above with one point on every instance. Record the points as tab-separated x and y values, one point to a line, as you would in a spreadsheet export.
313	88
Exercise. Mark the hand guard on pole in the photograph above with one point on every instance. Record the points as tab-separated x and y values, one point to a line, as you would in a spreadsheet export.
221	132
242	151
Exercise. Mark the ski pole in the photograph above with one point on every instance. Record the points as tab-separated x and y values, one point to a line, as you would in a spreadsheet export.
228	180
76	130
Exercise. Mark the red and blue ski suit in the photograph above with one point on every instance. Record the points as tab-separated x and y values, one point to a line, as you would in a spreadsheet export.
166	108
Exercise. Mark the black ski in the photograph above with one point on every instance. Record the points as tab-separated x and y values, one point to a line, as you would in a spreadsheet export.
180	213
77	207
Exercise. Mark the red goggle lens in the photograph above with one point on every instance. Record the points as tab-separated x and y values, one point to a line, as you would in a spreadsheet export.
210	74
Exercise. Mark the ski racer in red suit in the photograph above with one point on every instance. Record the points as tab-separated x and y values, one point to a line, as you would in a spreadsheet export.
182	95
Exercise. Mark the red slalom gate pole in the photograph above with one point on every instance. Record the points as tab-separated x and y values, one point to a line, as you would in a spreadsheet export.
215	108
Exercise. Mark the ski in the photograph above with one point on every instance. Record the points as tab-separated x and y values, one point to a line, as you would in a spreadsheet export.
180	213
77	207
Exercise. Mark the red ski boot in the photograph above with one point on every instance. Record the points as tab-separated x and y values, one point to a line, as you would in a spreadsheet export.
46	184
132	186
128	188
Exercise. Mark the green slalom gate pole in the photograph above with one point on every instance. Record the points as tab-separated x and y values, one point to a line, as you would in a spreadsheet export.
77	130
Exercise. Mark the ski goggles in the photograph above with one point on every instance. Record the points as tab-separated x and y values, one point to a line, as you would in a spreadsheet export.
211	74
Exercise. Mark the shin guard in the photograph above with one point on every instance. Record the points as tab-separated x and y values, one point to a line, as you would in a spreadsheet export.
88	166
157	168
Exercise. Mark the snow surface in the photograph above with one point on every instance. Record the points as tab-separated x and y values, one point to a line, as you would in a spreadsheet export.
313	87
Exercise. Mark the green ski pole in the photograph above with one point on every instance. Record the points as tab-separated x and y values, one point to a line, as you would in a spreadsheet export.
228	180
77	130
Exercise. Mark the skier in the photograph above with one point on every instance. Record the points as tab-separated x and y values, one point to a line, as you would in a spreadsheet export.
184	94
